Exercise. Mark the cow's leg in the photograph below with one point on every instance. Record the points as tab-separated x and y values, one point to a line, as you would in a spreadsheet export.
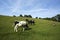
26	27
15	28
23	28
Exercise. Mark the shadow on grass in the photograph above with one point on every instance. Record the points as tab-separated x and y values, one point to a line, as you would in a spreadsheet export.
28	28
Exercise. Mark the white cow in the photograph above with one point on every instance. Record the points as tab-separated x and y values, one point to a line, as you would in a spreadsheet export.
22	24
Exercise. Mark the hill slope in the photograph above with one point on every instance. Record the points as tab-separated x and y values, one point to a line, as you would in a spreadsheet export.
42	30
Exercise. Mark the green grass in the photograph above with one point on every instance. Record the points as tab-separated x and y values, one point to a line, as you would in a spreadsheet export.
42	30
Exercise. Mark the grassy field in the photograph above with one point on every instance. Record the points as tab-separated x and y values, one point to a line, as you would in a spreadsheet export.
42	30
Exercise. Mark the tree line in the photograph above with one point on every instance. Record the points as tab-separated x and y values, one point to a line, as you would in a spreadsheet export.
29	16
54	18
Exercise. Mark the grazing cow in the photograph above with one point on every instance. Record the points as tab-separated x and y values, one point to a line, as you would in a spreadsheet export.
22	24
30	21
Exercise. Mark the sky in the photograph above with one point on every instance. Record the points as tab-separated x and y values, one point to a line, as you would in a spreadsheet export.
36	8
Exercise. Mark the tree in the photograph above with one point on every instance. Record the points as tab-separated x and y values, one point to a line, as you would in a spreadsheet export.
39	17
30	16
36	17
53	18
25	15
57	17
47	18
14	16
21	15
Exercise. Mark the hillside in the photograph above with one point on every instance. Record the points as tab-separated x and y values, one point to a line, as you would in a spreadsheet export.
42	30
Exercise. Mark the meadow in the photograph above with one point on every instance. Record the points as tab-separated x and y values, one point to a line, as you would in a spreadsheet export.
42	30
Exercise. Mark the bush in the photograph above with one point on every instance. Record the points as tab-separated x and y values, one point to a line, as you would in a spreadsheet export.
14	16
21	15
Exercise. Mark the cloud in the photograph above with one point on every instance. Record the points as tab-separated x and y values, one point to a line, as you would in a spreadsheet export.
16	6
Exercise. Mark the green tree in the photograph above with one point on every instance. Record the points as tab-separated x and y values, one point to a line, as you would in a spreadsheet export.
21	15
14	16
57	17
30	16
25	15
39	17
36	17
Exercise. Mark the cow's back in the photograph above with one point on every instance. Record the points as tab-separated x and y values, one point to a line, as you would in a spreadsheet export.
22	23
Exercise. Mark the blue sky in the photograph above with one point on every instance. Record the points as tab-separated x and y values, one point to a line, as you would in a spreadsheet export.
36	8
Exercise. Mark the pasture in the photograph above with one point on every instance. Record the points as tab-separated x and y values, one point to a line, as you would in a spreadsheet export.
42	30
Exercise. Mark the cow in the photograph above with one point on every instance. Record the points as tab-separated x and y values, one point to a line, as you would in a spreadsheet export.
22	24
30	21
